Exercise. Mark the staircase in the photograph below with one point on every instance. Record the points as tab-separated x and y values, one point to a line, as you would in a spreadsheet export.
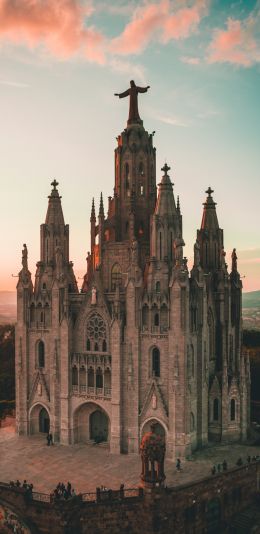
246	522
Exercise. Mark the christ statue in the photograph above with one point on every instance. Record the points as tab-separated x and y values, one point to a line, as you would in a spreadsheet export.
133	104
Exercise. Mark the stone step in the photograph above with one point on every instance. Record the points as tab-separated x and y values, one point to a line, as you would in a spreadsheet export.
102	444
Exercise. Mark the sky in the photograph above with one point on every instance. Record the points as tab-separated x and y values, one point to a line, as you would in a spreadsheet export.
61	63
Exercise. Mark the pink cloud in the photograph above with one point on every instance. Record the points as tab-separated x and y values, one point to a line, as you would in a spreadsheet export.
238	44
157	21
58	25
185	21
190	60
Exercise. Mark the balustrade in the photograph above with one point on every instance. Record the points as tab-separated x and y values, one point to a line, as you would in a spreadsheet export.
91	391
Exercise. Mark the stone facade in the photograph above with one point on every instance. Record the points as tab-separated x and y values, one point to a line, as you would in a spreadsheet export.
143	340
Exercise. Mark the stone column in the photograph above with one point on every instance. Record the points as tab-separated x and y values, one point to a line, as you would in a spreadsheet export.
115	433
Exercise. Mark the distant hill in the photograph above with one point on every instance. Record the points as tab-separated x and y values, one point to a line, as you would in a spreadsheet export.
7	307
251	299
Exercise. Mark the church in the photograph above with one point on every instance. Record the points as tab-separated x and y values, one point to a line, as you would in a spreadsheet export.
144	340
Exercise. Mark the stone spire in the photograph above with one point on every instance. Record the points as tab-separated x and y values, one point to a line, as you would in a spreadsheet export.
93	226
54	233
165	204
209	217
93	214
54	212
101	207
210	237
178	204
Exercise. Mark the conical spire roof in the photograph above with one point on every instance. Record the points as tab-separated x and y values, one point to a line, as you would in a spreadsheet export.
209	217
93	213
165	204
101	206
54	212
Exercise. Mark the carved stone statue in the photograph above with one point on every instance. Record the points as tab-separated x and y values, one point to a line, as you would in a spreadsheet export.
178	250
222	258
234	260
93	296
196	254
25	257
134	251
154	401
133	104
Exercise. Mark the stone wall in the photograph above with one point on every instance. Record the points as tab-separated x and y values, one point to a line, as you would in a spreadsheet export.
204	506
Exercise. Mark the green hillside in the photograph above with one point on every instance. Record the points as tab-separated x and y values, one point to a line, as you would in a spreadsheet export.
251	299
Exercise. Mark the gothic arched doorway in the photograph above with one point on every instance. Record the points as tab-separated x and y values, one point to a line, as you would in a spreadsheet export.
39	419
90	422
98	426
44	421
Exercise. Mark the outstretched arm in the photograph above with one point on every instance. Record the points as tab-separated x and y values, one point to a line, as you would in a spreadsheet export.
143	89
122	95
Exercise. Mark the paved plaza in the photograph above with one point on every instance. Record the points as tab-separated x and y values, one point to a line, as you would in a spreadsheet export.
89	466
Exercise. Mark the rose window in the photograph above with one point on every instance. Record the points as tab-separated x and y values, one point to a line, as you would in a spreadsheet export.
96	332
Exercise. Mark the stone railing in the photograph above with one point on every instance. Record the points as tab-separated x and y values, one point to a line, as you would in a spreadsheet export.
90	391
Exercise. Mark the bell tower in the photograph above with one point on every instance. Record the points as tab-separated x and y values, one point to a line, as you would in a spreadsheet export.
135	175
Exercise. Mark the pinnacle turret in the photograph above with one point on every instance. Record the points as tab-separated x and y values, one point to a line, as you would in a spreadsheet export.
210	237
54	233
101	207
165	202
209	217
54	212
93	213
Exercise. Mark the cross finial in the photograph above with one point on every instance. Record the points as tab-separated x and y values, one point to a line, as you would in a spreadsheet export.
209	191
54	184
165	169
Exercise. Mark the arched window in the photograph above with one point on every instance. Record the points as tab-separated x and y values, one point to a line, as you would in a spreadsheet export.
157	287
145	315
160	245
74	376
232	409
156	362
96	332
192	422
116	276
211	335
32	314
164	317
39	313
82	376
47	314
41	354
215	410
99	378
104	346
107	381
192	363
171	245
90	377
156	319
127	182
43	286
